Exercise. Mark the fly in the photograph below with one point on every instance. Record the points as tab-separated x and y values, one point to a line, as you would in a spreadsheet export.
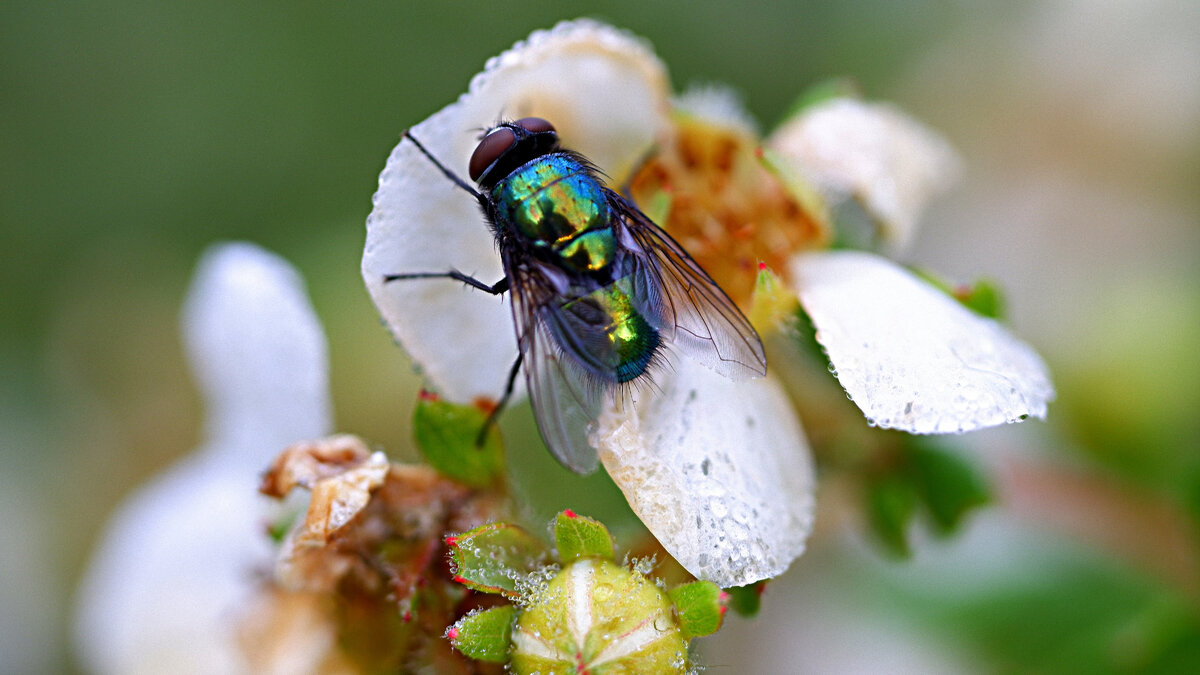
599	293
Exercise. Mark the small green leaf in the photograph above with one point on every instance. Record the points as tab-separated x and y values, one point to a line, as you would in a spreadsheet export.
746	600
283	524
447	435
984	297
891	505
949	485
805	335
493	558
825	90
699	607
485	635
578	536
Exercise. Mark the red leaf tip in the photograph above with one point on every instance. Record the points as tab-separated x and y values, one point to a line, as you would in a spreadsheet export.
569	513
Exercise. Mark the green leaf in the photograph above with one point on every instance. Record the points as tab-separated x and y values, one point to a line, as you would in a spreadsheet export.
494	558
891	505
578	536
805	335
949	485
447	435
984	296
746	600
485	635
283	524
699	607
839	87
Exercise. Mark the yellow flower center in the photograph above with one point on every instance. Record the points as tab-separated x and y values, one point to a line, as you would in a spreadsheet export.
726	207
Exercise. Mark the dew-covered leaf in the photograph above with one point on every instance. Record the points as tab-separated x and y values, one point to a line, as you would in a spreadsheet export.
485	635
578	536
494	558
699	608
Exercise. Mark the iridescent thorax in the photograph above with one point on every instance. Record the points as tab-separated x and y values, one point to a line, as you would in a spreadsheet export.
555	201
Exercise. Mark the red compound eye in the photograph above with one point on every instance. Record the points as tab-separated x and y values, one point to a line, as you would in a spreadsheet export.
499	140
489	149
534	125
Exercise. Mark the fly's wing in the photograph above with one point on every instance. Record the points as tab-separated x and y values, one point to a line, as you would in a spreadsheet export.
565	399
683	302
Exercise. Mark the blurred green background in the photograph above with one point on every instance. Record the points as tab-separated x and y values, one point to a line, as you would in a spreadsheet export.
134	134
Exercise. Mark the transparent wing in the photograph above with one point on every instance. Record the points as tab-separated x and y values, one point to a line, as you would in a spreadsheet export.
565	400
683	302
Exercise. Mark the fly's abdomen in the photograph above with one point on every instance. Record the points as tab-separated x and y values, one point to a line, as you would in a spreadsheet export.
605	334
556	202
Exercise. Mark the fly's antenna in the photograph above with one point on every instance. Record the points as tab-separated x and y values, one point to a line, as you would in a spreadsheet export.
446	172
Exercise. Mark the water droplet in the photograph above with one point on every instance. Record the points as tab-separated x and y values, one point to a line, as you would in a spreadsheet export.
603	592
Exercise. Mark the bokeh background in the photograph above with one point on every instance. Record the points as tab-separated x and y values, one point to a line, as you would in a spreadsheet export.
133	134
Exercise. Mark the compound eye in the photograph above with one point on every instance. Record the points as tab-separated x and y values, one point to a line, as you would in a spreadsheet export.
489	150
534	125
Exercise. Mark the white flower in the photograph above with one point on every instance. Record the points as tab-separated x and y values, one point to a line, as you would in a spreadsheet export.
181	556
910	356
719	471
873	152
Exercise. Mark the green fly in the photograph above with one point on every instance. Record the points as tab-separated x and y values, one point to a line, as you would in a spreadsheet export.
600	295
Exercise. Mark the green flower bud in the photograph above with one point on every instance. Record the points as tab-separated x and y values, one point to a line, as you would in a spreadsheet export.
599	618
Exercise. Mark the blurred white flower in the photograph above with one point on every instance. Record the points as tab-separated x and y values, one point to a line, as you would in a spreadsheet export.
182	555
873	152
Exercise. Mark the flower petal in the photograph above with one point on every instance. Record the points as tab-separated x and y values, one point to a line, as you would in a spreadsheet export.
178	558
718	470
606	94
873	152
912	357
258	354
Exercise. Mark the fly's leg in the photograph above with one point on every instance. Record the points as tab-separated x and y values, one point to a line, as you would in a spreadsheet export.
447	172
495	289
508	390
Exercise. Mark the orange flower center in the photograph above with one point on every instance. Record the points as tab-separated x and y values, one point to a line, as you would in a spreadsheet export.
727	208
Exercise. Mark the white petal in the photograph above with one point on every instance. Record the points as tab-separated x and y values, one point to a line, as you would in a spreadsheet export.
873	152
258	353
175	564
179	558
719	105
912	357
718	470
606	94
